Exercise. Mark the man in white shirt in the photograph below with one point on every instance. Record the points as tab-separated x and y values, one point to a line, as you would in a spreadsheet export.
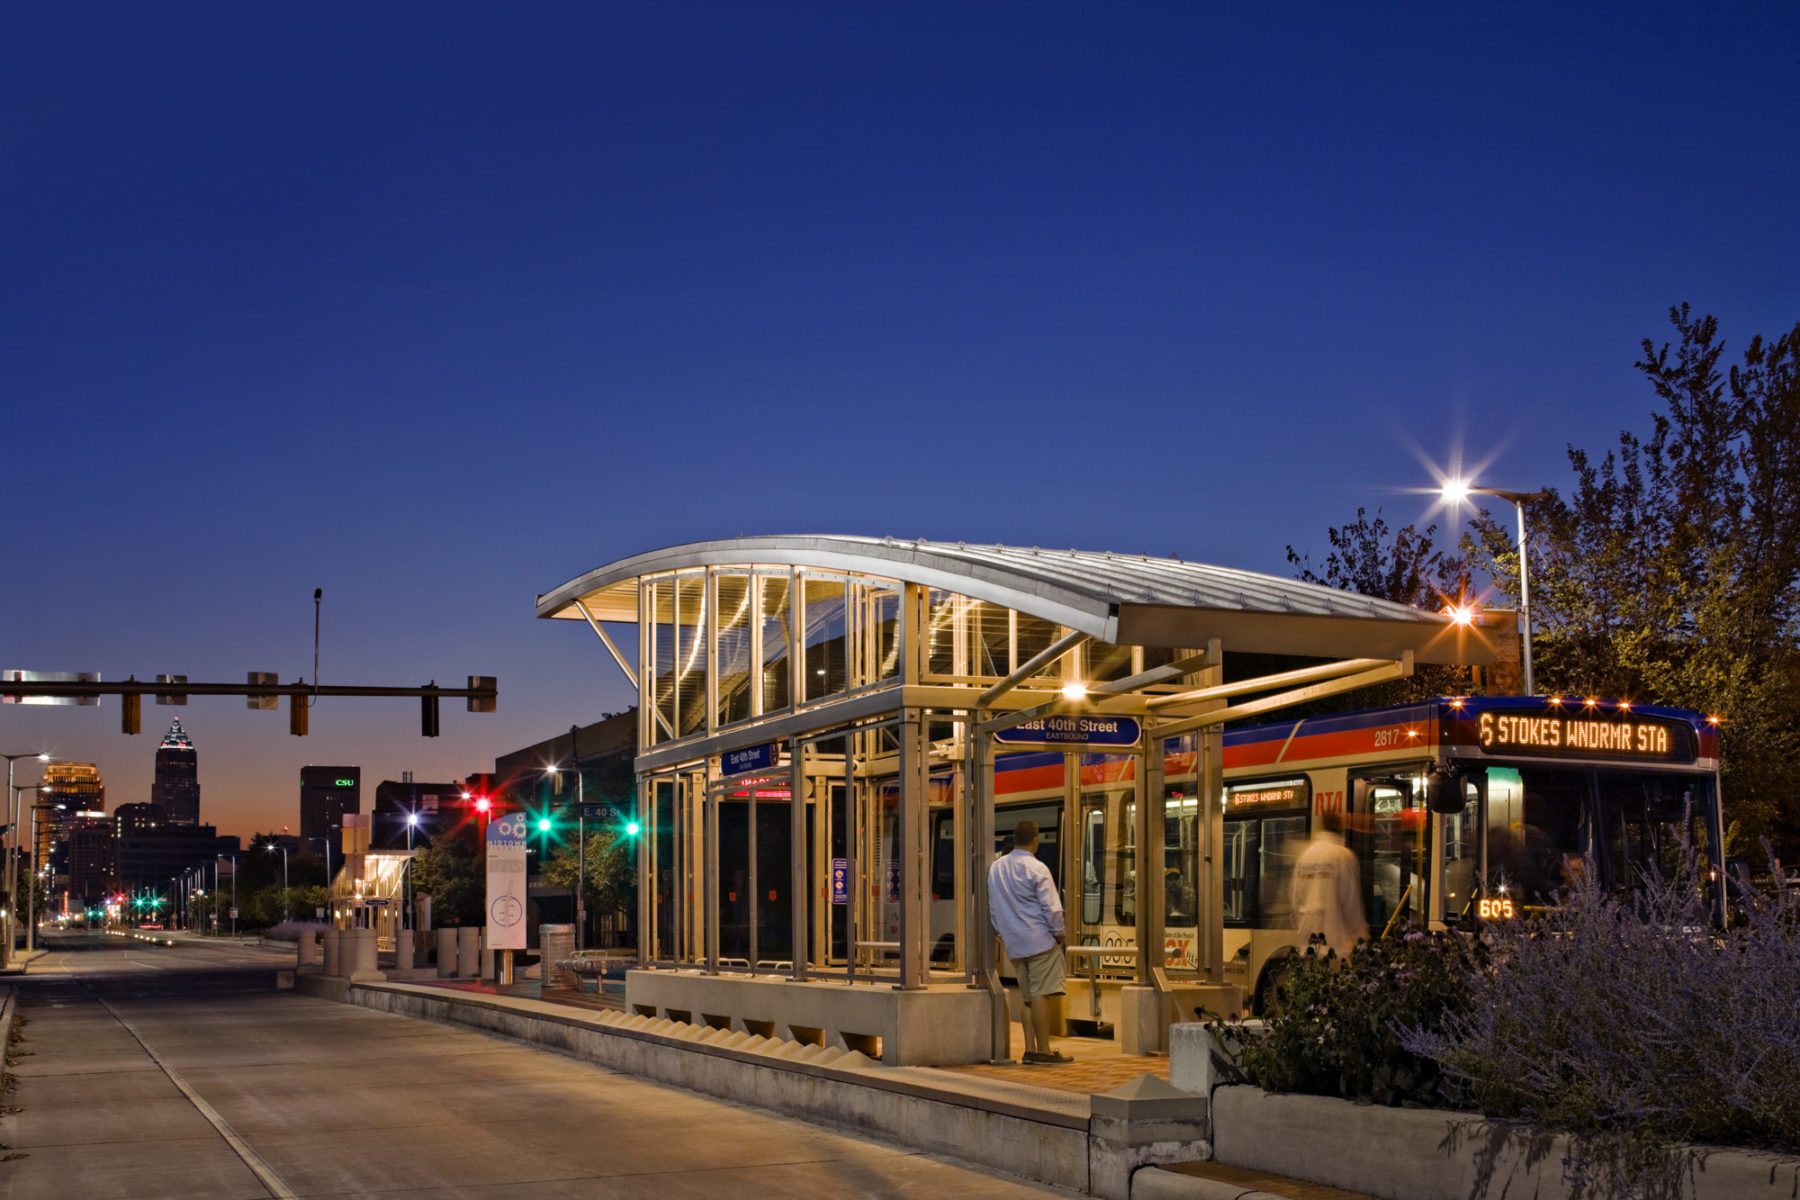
1028	916
1327	891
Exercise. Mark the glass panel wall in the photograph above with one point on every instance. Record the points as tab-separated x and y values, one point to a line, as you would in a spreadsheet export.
884	632
690	654
659	602
1036	635
990	639
734	646
777	636
940	633
1106	661
827	643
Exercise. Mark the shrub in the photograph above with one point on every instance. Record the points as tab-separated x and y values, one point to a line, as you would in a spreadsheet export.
1334	1027
1633	1022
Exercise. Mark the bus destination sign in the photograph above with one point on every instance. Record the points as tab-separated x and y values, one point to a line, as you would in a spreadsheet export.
1283	793
1621	737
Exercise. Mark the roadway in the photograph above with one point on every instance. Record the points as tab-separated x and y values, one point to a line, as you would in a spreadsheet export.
146	1071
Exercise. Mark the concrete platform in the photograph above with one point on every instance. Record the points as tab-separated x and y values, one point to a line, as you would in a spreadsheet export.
1053	1135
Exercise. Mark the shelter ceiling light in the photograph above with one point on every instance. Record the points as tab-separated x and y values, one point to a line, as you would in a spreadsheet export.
1074	691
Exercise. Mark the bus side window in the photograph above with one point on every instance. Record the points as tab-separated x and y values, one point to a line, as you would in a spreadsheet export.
943	858
1093	851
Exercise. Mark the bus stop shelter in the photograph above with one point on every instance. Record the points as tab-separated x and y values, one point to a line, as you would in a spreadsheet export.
819	722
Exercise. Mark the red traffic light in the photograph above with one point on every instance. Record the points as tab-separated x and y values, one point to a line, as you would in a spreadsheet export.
482	804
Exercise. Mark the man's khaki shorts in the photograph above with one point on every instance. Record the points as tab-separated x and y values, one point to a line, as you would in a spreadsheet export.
1041	974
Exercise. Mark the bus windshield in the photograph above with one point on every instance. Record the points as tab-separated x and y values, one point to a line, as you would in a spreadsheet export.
1544	823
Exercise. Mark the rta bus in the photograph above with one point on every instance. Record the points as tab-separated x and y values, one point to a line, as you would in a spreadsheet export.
1459	810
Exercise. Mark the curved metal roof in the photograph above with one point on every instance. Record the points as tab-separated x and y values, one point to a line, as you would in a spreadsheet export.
1126	599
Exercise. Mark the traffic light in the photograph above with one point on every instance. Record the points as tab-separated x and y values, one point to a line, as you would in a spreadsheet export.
544	824
632	829
428	716
131	713
298	708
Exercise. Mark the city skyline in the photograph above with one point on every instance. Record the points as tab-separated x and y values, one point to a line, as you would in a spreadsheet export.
436	309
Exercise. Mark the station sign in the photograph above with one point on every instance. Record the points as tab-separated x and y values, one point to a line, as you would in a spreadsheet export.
1073	729
750	758
506	882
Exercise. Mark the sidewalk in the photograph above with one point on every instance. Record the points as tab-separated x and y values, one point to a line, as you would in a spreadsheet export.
22	959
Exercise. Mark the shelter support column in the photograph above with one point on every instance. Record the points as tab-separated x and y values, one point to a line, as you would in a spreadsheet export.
801	883
980	948
913	849
1209	778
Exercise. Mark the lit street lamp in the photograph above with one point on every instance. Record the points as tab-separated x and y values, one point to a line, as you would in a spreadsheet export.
407	920
287	912
1458	490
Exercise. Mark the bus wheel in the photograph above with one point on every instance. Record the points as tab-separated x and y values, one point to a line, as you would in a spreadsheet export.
1270	984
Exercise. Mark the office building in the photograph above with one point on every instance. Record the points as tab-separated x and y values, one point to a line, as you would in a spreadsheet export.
177	785
326	794
66	792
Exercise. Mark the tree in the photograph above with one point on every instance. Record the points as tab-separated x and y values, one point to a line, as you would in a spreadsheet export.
611	874
1671	574
1407	568
449	871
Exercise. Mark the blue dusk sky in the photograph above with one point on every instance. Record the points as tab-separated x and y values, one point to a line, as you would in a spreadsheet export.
435	306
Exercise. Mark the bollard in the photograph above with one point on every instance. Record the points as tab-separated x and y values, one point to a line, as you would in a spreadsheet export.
469	961
555	944
364	963
446	953
306	952
403	950
334	957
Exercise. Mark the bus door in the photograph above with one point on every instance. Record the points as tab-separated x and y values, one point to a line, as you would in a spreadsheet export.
1386	831
1266	829
1180	882
1459	869
1107	808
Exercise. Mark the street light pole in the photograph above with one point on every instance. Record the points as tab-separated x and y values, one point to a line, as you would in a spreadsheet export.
233	859
12	850
31	879
412	823
287	910
1456	490
325	842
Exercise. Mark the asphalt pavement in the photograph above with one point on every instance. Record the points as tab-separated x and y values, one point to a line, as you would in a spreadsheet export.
182	1071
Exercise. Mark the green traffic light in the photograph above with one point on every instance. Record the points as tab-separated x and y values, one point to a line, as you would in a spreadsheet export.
543	824
632	828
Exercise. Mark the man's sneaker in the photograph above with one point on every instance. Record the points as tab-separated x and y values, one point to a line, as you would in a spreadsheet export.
1054	1057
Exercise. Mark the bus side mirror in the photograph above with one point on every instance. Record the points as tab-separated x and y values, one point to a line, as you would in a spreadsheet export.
1444	792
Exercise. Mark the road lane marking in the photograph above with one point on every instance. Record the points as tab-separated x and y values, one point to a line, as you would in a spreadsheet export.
265	1174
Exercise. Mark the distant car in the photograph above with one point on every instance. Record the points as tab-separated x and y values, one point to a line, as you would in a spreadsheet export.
150	925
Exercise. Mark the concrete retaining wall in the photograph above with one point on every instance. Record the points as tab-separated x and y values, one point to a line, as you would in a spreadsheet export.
1416	1154
1048	1147
933	1026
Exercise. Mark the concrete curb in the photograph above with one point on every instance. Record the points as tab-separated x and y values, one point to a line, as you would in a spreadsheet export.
1154	1183
9	1000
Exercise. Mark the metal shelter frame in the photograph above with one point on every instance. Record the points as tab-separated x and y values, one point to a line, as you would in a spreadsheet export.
849	676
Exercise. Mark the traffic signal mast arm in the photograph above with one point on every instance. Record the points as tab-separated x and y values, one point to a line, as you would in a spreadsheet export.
482	694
